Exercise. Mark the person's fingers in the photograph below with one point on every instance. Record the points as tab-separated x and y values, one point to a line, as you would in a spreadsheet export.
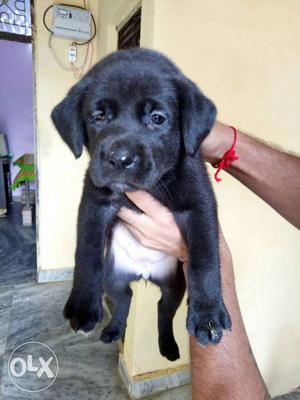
148	204
135	232
132	217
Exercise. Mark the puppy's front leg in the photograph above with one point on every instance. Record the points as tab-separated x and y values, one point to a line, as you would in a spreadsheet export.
207	314
84	306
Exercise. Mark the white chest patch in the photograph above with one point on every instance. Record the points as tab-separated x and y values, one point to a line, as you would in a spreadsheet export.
131	257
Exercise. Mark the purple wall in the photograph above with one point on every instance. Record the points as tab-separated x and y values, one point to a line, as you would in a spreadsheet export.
16	98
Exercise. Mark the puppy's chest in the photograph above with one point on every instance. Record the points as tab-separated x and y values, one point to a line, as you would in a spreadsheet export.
132	258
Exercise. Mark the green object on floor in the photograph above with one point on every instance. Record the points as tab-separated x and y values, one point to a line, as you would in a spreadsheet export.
26	173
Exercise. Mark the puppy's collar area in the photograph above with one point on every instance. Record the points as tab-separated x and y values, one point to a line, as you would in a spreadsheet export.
228	157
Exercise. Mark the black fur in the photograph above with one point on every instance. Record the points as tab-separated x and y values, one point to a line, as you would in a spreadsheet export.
111	112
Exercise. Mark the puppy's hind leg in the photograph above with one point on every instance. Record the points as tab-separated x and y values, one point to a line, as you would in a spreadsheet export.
172	295
120	295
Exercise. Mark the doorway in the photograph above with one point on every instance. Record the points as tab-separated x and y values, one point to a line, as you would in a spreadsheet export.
17	149
129	34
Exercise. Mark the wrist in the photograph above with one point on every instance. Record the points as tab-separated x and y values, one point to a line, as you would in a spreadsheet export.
217	143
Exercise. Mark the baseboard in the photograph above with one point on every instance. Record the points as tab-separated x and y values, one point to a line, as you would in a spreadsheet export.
52	275
148	384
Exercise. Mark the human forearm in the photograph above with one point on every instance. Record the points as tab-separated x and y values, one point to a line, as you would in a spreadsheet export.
270	173
227	371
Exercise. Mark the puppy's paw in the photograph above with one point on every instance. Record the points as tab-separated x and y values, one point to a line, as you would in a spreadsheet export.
168	348
83	312
207	324
111	334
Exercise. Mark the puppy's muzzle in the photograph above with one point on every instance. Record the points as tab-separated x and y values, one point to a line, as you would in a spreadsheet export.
122	156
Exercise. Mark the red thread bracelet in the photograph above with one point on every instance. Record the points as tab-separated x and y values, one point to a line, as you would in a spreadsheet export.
227	159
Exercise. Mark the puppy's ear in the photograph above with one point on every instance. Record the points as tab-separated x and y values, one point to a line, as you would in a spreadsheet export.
68	120
197	115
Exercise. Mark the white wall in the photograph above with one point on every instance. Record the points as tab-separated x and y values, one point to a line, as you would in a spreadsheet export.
245	55
59	175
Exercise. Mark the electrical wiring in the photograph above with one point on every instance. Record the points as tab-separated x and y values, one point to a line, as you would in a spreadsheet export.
64	67
78	71
82	8
44	18
92	56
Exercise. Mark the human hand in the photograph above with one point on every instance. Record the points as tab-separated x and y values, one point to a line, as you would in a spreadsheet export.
156	227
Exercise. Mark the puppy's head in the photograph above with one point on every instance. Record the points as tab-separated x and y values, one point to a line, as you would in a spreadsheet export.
137	114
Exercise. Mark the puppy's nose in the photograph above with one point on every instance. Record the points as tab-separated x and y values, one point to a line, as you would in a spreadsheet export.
122	158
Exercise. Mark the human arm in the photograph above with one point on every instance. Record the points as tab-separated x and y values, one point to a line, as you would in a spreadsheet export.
272	174
227	371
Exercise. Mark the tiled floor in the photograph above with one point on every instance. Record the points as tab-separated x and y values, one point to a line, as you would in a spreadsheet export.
30	311
33	312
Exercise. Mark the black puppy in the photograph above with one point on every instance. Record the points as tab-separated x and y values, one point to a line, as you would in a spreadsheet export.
142	122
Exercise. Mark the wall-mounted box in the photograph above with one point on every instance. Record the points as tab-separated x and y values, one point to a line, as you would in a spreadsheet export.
71	22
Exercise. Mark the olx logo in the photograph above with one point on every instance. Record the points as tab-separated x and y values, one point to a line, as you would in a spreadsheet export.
33	366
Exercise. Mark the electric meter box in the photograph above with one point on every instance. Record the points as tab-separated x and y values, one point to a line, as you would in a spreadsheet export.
71	22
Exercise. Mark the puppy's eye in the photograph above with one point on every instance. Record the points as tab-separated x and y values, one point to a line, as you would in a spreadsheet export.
157	119
100	115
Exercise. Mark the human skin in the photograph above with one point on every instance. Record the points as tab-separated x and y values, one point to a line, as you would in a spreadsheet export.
226	371
272	174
